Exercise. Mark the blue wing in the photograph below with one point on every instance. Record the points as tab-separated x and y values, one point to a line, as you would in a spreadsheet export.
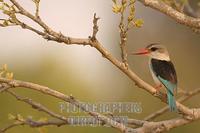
171	87
170	93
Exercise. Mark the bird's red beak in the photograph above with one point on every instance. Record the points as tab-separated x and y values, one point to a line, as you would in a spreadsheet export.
141	52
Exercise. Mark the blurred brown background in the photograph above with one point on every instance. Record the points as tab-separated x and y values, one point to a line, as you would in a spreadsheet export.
82	72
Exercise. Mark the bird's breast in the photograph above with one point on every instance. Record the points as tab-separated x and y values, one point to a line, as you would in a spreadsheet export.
155	78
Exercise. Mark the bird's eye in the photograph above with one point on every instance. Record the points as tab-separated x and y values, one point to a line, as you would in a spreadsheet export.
153	49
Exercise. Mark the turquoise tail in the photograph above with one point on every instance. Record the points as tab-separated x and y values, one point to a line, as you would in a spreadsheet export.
171	102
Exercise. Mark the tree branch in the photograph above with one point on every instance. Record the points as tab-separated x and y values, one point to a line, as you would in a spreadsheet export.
34	124
95	28
10	126
174	14
158	127
123	34
187	95
39	107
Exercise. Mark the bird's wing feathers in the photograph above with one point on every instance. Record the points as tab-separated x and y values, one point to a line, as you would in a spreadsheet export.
166	73
169	86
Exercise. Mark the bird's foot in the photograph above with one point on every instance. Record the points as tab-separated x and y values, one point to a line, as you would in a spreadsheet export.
157	93
158	87
162	96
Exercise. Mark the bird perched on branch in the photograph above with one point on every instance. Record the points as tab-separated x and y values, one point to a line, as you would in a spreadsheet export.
162	70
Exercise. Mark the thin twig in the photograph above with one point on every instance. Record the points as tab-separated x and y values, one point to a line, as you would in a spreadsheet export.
10	126
38	106
95	27
123	36
34	124
166	125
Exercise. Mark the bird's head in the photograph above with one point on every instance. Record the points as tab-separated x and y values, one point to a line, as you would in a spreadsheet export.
155	51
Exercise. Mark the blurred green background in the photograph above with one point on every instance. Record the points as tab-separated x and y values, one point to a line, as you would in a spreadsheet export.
82	72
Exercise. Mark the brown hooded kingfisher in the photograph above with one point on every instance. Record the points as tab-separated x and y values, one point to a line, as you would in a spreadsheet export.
162	70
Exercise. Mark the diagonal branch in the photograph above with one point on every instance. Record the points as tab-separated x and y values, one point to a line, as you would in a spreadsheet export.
10	126
34	124
161	126
187	96
60	37
174	14
39	107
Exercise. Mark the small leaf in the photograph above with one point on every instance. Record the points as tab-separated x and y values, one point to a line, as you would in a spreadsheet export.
9	75
5	23
6	12
1	7
116	8
5	4
20	118
11	117
138	23
132	1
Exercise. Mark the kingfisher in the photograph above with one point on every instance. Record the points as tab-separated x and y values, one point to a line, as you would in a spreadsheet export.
162	71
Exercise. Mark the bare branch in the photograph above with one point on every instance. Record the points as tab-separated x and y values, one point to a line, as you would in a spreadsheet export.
182	99
169	11
95	27
34	124
4	87
10	126
136	122
158	127
123	36
59	36
39	107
